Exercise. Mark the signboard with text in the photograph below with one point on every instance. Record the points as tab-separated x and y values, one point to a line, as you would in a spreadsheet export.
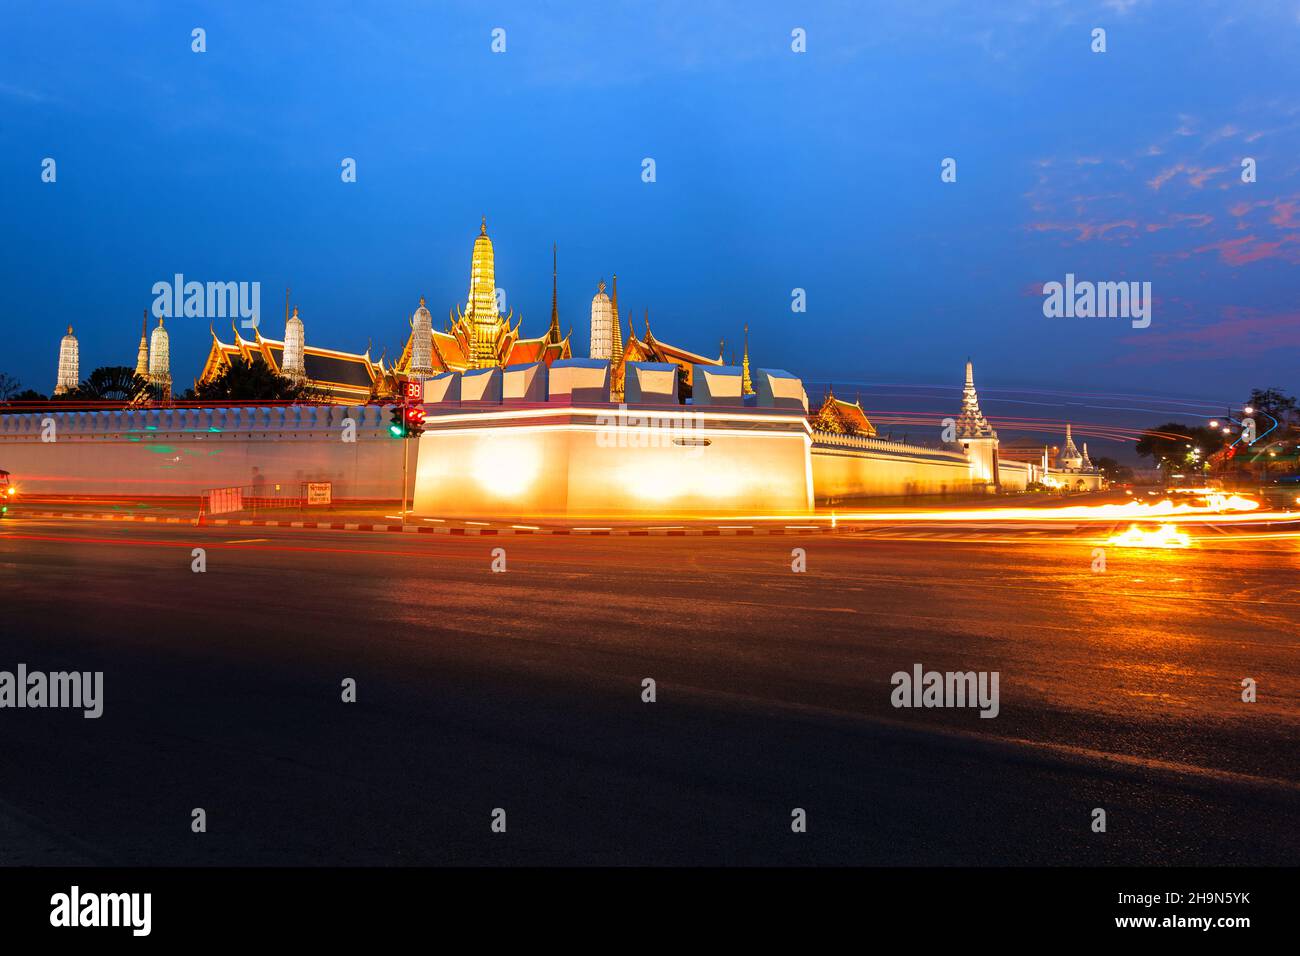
320	492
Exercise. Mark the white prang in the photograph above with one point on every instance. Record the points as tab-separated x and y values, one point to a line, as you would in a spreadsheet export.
602	325
69	364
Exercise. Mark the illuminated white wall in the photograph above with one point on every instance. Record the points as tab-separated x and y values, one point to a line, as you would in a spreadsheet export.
183	451
869	468
982	453
579	467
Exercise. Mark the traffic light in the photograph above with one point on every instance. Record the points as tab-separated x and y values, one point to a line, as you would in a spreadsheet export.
397	428
414	421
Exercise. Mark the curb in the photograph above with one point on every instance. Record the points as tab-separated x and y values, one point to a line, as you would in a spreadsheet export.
420	529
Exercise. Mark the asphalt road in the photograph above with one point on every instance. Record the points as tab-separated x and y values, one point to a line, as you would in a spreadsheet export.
522	690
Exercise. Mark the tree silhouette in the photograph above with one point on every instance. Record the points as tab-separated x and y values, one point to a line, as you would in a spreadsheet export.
243	380
111	383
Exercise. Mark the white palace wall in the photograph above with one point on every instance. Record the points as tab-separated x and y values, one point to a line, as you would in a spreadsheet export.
184	451
847	466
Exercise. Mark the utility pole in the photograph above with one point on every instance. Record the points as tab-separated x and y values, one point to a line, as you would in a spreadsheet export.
406	457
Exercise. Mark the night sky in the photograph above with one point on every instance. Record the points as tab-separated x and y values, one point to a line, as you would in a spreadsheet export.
775	170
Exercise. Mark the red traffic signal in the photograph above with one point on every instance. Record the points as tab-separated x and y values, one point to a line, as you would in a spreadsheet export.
414	421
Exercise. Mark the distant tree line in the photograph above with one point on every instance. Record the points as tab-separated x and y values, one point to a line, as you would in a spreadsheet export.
241	380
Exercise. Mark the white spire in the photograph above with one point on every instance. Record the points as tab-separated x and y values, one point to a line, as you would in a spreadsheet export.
972	423
295	341
160	376
69	364
602	325
1069	459
421	341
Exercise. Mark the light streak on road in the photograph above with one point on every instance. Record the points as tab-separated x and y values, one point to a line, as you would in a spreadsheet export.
1166	536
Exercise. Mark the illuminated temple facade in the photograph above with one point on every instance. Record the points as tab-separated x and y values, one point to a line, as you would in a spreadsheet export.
475	336
345	378
479	336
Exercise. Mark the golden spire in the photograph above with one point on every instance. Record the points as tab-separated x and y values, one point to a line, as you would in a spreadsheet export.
553	333
746	383
142	353
484	322
616	352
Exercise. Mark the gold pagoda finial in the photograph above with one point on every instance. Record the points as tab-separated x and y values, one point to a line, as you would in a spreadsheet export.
746	381
144	323
482	229
553	332
69	330
421	301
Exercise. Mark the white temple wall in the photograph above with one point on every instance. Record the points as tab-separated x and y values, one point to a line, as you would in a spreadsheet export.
1016	475
185	451
580	467
854	468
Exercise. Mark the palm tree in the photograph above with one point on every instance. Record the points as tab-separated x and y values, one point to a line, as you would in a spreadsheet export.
111	383
243	380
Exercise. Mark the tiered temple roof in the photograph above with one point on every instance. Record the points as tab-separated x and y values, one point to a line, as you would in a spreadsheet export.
650	349
972	423
842	418
344	377
480	337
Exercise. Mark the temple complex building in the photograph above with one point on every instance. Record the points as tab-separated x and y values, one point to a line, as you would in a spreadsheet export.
332	376
838	417
650	349
479	336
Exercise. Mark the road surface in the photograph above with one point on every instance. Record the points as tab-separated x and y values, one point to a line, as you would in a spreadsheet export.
522	691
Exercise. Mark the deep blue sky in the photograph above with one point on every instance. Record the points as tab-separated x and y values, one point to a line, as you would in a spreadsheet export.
775	170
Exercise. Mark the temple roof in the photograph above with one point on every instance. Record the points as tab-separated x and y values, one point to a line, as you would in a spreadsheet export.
842	418
346	376
972	423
